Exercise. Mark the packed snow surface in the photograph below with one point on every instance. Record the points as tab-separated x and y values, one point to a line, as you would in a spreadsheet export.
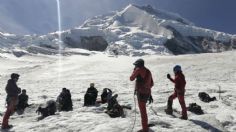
39	76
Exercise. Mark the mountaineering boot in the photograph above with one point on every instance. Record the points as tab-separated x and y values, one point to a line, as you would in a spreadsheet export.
142	130
184	117
169	109
7	127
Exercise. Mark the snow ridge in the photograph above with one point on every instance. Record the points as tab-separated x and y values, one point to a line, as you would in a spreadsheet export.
135	31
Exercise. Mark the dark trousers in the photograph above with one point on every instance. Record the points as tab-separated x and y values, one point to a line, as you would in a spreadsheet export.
10	110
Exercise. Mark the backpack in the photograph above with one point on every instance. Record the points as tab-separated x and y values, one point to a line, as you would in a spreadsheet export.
205	97
195	108
114	109
112	101
143	86
50	109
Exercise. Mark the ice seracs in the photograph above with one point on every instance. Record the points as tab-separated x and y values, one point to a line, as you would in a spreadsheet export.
135	30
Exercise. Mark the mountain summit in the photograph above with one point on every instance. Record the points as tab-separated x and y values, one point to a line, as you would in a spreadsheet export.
138	30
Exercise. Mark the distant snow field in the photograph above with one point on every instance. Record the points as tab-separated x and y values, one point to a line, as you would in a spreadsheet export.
39	76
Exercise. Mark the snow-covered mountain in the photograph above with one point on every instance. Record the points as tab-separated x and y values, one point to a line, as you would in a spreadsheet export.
134	31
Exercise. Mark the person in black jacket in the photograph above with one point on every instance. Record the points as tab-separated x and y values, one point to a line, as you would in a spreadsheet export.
106	95
22	101
91	95
64	100
12	91
114	109
49	110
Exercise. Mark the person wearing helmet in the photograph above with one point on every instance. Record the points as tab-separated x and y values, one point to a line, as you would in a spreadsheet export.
143	85
12	91
179	91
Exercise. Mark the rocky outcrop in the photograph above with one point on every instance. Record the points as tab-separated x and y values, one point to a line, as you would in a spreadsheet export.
180	44
233	43
18	53
92	43
196	44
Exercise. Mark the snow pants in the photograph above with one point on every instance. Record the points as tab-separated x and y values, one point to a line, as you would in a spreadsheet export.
142	100
11	105
181	101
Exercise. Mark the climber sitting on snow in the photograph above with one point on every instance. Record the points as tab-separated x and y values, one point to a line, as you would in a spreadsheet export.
64	100
106	95
91	95
50	109
114	109
22	101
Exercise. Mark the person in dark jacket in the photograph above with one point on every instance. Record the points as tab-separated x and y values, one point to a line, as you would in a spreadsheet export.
64	100
49	110
91	95
179	92
69	100
106	95
22	101
12	91
114	109
143	85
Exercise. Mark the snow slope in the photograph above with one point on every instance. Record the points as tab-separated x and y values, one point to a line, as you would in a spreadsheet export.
204	73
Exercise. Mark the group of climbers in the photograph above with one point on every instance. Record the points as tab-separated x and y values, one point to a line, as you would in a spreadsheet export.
143	84
114	109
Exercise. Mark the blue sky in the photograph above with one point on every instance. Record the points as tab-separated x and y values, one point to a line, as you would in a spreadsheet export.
214	14
218	15
39	16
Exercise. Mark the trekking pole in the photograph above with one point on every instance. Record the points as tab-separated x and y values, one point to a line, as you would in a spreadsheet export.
134	114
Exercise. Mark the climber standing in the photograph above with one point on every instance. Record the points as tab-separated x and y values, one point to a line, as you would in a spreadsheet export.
12	91
179	92
143	85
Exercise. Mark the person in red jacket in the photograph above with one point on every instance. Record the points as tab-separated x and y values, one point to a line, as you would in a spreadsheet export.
12	91
143	85
179	92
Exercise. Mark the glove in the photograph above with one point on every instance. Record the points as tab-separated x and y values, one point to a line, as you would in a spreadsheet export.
150	100
168	76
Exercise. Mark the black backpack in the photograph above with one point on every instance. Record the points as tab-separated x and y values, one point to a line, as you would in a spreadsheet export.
205	97
112	101
195	108
50	109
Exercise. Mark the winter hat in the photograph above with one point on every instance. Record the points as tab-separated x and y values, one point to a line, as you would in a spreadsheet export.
23	91
91	84
14	76
139	63
63	89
